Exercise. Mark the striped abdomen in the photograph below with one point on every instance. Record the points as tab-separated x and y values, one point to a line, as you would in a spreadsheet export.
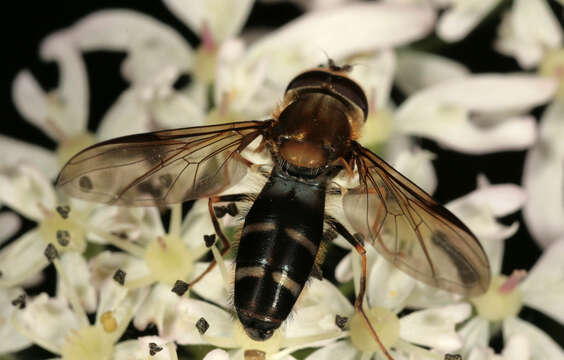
277	251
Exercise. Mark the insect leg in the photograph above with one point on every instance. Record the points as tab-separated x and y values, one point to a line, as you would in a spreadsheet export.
226	245
358	245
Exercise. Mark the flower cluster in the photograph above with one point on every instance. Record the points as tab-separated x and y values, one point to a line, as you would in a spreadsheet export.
118	289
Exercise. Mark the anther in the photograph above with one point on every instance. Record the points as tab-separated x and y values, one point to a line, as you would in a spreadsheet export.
51	252
202	325
341	321
63	211
209	240
119	276
63	237
180	287
154	348
19	302
453	357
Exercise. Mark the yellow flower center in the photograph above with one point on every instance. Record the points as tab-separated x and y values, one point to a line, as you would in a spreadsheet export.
496	305
377	129
204	65
553	66
169	259
385	323
69	147
64	234
90	343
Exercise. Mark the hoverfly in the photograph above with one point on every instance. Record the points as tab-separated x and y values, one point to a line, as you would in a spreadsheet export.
311	139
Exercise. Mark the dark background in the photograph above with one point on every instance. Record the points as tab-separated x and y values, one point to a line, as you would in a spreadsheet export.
26	23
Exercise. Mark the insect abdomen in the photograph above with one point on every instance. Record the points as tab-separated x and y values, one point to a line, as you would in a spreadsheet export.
277	251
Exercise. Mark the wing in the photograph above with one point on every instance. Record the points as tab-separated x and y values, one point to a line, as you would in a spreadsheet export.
413	231
161	167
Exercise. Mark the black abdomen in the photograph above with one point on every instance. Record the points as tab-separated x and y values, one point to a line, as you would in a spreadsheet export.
277	250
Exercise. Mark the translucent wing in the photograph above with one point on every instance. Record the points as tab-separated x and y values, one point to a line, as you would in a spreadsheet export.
161	167
413	231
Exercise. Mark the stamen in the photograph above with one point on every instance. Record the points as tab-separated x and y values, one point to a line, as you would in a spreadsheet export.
119	276
154	348
108	321
180	287
514	280
120	243
19	302
140	282
172	351
63	211
202	325
175	224
341	321
221	264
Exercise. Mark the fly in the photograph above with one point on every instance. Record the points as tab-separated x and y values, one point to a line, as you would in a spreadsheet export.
311	139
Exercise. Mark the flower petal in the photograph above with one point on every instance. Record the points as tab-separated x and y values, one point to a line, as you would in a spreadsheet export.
435	327
126	116
541	345
543	289
123	303
151	46
387	286
72	94
12	340
462	17
47	321
476	114
22	259
76	270
339	33
26	190
177	110
478	211
528	31
517	348
104	265
212	287
31	101
543	179
217	354
9	225
159	309
418	70
342	350
476	334
316	309
224	18
189	311
415	163
18	152
375	73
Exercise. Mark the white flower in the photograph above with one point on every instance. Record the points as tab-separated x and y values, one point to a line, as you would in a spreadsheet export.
529	31
434	328
541	289
53	325
543	177
312	325
156	56
60	113
27	191
461	17
516	348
